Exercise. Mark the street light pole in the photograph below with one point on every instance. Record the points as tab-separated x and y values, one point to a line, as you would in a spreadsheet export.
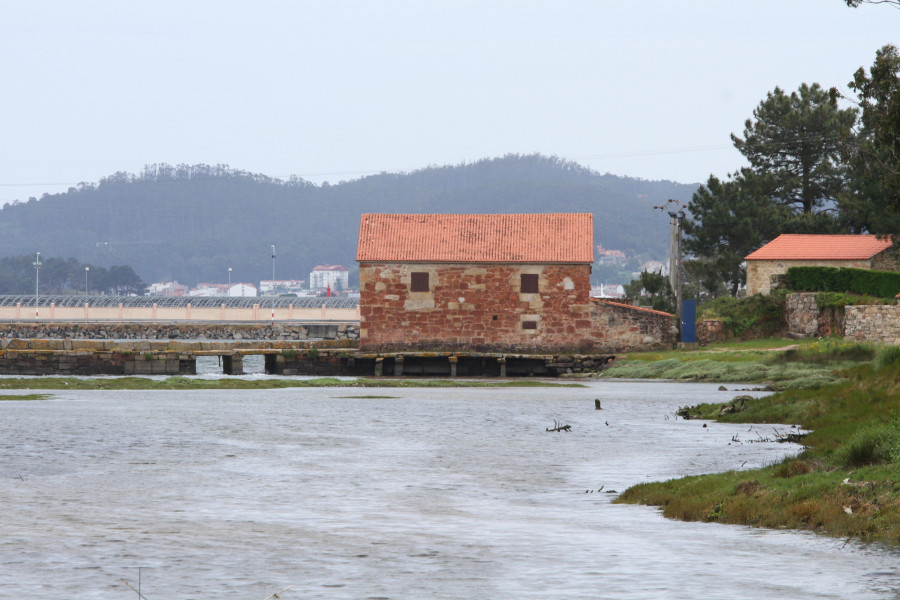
273	285
37	283
86	269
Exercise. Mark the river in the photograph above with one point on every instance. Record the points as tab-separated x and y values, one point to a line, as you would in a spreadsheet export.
425	493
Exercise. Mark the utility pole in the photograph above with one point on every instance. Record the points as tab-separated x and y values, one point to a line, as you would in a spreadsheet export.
675	210
37	283
273	285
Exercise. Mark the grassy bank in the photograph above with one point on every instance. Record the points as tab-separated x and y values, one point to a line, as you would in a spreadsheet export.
193	383
777	363
846	482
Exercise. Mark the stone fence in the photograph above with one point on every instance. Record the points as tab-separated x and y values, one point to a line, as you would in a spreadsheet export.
872	323
862	323
180	331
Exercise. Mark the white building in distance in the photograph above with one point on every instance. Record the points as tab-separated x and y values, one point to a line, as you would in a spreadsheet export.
240	290
336	277
271	287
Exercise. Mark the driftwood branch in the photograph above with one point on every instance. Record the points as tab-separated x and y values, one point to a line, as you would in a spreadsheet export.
557	426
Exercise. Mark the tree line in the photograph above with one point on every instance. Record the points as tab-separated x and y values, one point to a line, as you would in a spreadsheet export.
192	223
19	276
819	162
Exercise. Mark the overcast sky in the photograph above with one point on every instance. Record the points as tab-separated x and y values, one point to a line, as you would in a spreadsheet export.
336	90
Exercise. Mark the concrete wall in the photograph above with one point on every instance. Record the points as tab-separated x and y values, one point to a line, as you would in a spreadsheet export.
475	306
259	312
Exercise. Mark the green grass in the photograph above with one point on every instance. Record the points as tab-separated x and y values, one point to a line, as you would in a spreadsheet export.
846	483
22	397
191	383
810	364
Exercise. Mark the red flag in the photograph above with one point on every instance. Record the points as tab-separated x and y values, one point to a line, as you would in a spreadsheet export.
328	289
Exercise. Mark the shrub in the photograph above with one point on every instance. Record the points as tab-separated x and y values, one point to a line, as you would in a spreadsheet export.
882	284
758	316
872	445
289	354
313	354
887	356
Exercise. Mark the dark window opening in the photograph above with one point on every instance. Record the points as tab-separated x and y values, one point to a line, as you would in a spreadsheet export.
529	324
529	283
494	318
418	282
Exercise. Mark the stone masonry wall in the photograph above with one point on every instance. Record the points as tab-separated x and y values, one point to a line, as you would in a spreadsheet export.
802	315
477	307
760	272
622	328
149	331
872	323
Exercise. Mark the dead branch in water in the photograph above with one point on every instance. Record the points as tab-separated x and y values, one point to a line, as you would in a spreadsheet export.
557	426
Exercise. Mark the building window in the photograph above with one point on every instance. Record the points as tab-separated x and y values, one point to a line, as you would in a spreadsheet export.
418	282
529	324
529	283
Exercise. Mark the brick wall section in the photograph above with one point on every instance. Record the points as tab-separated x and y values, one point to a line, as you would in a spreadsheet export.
760	272
872	323
475	307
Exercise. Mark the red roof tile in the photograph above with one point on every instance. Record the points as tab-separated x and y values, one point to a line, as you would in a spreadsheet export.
523	238
632	307
797	246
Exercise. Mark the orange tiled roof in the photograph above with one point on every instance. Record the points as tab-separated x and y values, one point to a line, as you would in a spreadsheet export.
631	306
798	246
528	238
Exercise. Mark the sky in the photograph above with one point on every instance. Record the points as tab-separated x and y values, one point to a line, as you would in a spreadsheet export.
337	90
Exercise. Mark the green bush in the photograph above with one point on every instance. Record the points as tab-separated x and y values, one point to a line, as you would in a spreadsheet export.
887	356
757	316
882	284
872	445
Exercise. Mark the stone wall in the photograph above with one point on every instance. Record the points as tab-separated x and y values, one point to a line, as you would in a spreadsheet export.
617	327
163	331
872	323
802	315
761	272
477	307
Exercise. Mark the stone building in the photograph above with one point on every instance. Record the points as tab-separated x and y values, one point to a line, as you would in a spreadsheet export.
489	283
805	250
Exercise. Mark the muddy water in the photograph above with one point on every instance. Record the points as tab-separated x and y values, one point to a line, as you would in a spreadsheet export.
445	493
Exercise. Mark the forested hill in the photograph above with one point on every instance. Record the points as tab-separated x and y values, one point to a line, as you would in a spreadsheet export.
191	223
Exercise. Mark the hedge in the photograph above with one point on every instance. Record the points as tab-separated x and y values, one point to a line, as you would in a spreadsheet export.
882	284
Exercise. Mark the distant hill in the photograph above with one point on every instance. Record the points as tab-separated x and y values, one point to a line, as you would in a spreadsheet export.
191	223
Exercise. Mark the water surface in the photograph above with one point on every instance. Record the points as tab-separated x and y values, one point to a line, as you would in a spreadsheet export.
439	493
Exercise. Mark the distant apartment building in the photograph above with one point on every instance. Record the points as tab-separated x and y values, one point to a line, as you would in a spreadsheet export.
336	277
610	257
271	287
209	289
167	288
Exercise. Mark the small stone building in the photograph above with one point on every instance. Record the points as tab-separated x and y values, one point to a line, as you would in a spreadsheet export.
489	283
514	282
806	250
